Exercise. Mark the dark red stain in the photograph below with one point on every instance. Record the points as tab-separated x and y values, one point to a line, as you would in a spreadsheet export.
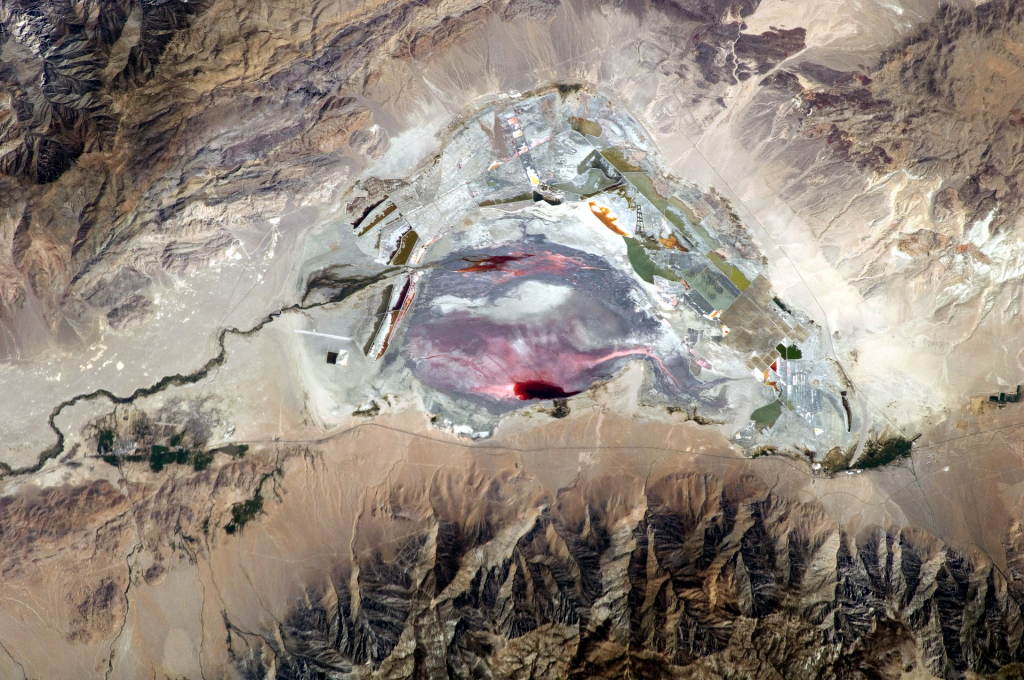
538	389
403	296
490	263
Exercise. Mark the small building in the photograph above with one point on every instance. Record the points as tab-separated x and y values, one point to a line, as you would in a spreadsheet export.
1004	398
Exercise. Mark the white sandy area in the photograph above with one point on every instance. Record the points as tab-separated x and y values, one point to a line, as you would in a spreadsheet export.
526	301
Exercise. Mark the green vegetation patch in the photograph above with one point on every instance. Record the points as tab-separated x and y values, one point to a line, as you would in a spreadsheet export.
111	459
781	305
642	263
161	456
244	512
369	411
105	441
766	416
880	452
789	353
200	460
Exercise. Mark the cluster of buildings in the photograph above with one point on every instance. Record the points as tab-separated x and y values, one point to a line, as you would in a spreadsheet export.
1004	398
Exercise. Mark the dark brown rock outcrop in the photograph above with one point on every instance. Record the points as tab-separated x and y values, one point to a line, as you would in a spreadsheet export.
944	102
690	577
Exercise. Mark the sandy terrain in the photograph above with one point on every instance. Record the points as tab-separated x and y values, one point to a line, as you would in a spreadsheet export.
178	189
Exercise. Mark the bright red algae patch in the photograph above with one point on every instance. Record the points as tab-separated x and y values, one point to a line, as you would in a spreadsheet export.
521	264
491	263
543	356
538	389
